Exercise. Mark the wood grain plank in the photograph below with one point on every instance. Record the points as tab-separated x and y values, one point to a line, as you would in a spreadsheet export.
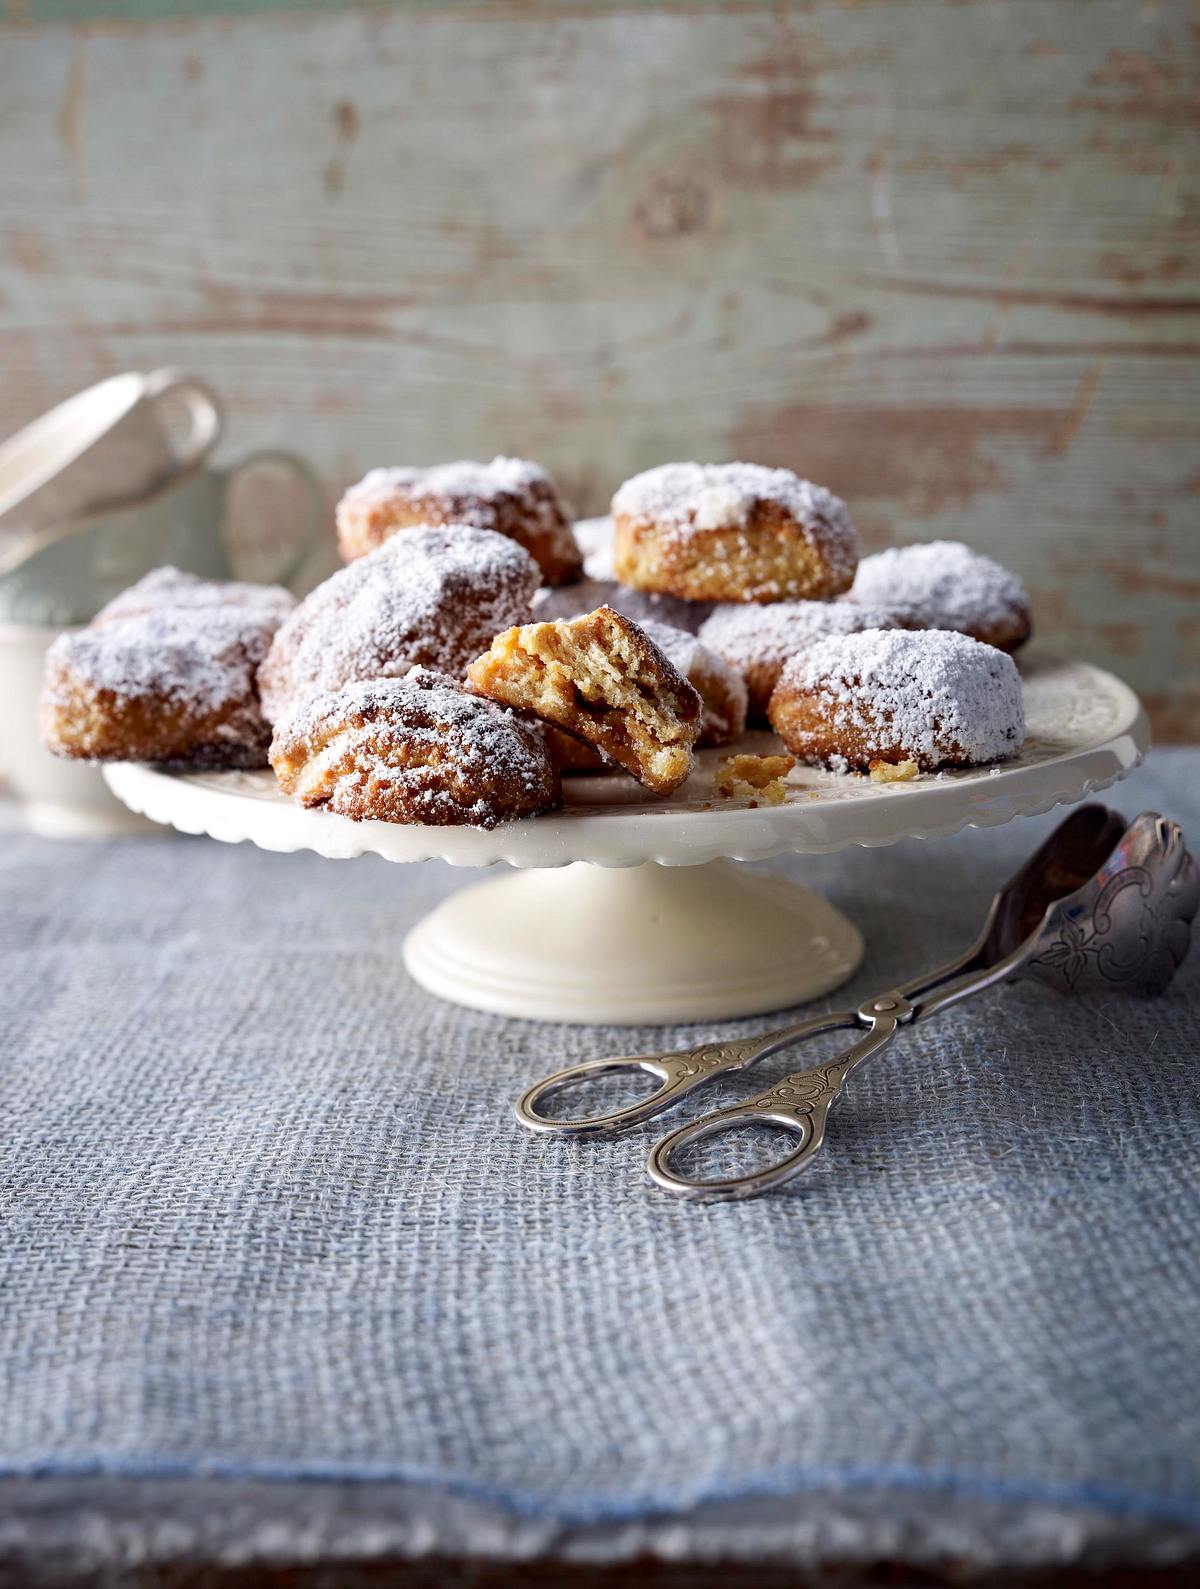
944	257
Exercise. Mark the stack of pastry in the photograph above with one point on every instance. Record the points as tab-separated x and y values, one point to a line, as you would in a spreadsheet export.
474	650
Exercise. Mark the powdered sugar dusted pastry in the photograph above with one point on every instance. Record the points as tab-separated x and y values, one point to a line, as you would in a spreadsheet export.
419	750
719	685
174	685
433	596
758	640
601	679
171	587
946	585
732	532
510	496
933	697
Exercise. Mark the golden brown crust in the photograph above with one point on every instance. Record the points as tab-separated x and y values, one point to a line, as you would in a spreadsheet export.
761	679
417	750
771	559
509	496
1009	636
804	722
732	532
601	679
168	589
83	723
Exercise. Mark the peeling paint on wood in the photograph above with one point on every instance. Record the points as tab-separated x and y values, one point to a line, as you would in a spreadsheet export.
943	257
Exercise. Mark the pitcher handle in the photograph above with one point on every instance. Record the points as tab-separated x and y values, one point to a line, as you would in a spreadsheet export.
292	557
203	409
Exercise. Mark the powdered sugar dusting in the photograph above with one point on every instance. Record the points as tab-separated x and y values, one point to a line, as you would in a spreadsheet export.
463	478
688	653
942	584
474	493
702	667
718	506
436	595
594	537
425	700
203	659
932	688
763	636
475	739
172	587
687	498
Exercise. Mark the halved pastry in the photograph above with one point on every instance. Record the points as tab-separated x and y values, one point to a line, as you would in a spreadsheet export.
602	679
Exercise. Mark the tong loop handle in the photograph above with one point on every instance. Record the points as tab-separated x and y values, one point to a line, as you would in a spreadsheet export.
671	1086
809	1127
678	1072
799	1103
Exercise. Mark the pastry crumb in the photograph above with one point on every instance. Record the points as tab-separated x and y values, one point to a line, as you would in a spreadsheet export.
755	780
892	771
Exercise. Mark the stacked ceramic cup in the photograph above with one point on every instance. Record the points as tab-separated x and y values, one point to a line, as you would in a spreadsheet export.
112	483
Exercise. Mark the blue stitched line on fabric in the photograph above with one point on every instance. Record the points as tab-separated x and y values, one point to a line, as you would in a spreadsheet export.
585	1511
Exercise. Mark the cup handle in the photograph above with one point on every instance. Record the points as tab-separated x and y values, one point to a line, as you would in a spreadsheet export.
293	557
204	410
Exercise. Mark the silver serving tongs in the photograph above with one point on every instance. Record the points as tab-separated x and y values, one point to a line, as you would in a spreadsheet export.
1102	906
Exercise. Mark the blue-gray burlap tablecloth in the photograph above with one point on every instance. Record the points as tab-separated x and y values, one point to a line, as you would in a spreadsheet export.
269	1227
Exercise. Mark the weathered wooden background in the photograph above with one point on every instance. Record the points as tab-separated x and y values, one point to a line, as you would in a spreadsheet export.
942	257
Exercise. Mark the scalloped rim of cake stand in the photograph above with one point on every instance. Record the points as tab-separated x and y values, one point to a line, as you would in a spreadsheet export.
1098	736
660	927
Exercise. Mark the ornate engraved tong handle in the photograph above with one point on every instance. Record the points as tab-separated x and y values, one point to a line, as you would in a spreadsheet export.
678	1073
800	1103
1113	902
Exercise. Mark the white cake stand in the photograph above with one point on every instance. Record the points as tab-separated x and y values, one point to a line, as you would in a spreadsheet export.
625	909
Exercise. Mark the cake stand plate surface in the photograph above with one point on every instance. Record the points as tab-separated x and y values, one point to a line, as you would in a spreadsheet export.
624	908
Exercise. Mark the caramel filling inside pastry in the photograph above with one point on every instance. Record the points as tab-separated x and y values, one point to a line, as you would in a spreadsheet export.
599	678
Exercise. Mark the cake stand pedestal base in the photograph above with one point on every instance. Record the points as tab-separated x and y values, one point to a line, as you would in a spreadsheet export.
633	945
